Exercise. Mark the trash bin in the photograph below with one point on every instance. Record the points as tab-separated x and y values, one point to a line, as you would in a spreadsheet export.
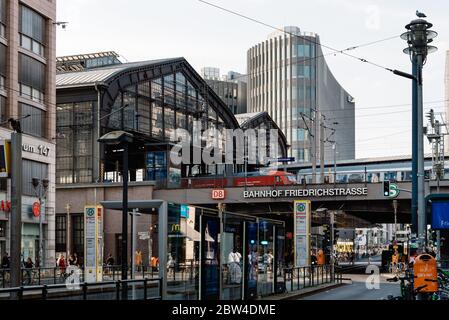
425	273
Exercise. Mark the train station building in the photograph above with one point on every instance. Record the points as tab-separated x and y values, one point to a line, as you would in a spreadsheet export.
97	94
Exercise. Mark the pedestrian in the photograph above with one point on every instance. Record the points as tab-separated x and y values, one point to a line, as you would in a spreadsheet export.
138	260
76	261
394	261
28	265
235	272
170	265
313	259
5	261
154	263
62	265
71	260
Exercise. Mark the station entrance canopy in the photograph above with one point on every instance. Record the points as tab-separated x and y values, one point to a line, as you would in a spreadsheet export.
148	207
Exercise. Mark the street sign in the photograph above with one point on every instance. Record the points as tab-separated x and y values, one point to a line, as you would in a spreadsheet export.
143	233
390	190
218	194
36	209
289	159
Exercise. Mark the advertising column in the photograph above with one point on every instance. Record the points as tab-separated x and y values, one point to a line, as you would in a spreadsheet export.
302	209
93	243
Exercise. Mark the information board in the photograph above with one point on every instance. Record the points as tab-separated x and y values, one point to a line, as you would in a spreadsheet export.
302	212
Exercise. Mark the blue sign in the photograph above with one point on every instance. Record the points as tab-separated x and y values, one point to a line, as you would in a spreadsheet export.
290	159
440	215
184	211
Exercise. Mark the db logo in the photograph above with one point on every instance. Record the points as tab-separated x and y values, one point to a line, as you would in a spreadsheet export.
218	194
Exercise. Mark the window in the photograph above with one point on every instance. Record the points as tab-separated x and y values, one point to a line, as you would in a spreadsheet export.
2	18
303	50
32	169
74	123
2	62
2	109
304	71
300	155
31	78
2	229
32	30
78	234
35	123
300	135
61	233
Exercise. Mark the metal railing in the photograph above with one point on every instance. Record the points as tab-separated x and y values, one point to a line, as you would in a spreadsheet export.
298	278
133	289
58	275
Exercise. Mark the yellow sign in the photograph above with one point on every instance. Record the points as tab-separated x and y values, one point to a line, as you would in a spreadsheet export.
175	228
5	158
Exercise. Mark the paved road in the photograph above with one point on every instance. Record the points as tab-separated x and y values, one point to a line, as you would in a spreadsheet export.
358	290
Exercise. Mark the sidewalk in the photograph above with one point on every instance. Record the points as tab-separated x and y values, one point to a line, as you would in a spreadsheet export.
302	292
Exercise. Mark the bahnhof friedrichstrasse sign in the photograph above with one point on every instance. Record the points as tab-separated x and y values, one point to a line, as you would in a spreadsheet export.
294	193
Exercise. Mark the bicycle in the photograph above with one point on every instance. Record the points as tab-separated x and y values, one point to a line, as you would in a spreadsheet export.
407	290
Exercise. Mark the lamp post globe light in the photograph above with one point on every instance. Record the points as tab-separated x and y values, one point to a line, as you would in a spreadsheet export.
122	139
418	37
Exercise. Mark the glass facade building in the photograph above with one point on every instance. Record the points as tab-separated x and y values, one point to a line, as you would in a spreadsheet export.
150	99
287	77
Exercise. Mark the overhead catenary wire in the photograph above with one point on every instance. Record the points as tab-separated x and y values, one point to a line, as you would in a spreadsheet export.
343	52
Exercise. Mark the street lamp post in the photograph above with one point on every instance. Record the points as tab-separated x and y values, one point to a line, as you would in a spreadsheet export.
122	138
418	37
40	188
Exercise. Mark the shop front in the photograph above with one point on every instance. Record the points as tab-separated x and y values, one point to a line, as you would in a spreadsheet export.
224	256
30	241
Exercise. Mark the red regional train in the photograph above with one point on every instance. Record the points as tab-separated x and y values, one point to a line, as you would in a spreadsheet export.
271	178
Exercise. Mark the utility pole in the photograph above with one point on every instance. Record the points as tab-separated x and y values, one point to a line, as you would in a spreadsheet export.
436	138
395	208
418	37
322	133
332	223
68	245
334	146
312	146
16	208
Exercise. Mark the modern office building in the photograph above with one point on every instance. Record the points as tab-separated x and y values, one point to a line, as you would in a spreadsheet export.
27	93
231	88
287	77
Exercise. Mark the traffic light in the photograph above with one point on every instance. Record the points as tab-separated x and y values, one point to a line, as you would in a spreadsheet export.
326	237
336	234
386	188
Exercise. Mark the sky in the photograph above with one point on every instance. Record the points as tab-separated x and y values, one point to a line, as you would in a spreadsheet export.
206	36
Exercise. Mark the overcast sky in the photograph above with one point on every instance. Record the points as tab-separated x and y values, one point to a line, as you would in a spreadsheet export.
206	36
